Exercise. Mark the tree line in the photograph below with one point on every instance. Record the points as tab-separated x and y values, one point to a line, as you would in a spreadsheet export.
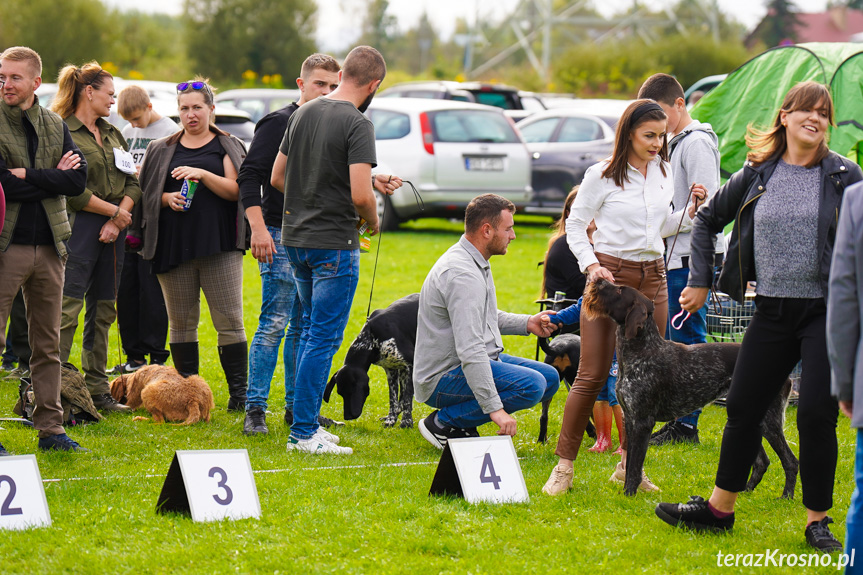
257	42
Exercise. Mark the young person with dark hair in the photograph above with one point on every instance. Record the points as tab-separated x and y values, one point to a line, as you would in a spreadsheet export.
694	158
629	196
280	307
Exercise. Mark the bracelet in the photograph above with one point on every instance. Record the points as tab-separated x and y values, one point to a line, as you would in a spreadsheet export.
117	213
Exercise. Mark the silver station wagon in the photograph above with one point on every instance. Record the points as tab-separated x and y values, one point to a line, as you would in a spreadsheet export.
451	152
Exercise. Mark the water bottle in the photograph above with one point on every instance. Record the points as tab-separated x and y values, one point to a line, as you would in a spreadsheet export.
558	304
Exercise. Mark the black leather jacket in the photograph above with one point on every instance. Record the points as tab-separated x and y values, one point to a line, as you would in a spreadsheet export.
735	201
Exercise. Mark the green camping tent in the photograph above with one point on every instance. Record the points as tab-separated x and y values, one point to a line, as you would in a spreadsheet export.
753	93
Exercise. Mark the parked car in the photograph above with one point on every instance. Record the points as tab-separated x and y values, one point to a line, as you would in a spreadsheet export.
563	143
451	151
517	103
703	85
236	122
258	102
609	110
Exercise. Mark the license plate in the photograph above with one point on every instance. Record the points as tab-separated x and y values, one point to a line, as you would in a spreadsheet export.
483	163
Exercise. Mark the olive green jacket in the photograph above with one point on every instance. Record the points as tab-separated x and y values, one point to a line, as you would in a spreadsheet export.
13	149
104	179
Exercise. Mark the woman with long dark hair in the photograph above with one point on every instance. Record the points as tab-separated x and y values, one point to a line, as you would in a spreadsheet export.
196	240
785	204
629	197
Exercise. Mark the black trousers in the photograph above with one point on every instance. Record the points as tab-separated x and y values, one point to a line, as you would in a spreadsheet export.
141	312
783	331
17	340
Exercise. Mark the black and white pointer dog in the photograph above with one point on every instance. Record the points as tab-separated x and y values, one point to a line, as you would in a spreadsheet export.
562	353
661	380
387	339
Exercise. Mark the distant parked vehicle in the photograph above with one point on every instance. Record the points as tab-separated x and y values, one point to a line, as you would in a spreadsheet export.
704	85
563	143
609	110
451	151
258	102
517	103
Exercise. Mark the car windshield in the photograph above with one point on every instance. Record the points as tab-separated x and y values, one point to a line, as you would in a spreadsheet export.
497	99
472	126
538	131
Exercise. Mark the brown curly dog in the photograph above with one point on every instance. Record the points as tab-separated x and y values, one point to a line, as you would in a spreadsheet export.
166	394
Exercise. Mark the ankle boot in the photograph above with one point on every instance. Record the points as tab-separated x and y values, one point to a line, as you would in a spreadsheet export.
235	363
185	357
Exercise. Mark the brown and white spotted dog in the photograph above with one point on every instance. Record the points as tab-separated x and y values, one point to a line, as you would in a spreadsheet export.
662	380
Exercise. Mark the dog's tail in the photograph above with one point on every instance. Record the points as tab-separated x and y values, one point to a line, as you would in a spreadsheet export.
543	344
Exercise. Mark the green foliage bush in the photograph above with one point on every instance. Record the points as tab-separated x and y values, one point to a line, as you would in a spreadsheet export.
617	68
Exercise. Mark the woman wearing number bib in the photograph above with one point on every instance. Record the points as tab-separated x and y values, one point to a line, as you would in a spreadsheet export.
99	218
196	242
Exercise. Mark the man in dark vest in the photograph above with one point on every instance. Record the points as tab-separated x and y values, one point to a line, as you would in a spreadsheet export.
39	167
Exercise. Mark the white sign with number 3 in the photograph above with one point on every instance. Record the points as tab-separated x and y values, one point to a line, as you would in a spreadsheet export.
488	469
22	495
219	484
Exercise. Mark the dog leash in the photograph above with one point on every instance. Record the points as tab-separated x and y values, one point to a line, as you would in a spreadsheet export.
680	317
421	204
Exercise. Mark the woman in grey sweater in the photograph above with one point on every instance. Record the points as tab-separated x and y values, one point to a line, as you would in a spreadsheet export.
785	205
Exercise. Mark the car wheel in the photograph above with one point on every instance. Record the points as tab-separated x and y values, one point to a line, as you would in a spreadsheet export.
387	215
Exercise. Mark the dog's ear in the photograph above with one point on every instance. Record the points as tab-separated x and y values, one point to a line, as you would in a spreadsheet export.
118	389
330	385
635	318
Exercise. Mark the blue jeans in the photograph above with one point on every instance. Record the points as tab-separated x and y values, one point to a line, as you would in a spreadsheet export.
609	390
326	282
521	384
693	330
280	309
854	524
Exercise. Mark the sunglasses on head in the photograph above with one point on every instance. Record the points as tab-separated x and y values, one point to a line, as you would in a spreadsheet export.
183	86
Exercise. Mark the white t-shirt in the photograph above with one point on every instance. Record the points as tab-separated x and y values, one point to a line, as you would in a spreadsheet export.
139	138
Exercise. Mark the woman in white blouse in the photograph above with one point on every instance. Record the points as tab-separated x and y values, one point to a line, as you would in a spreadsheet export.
629	195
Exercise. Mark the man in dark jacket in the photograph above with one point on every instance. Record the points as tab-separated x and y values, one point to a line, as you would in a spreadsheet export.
280	307
39	167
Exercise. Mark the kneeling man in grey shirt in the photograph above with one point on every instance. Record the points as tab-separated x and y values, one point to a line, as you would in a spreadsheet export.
459	365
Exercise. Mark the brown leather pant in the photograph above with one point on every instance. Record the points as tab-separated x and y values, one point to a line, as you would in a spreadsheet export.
597	347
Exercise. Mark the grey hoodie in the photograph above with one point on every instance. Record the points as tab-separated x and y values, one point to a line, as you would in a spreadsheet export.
694	160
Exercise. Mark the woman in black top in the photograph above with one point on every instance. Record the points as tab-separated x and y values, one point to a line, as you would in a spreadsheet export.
198	246
560	269
785	207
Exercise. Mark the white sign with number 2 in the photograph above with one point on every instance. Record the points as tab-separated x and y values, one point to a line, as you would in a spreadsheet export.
219	484
22	496
488	469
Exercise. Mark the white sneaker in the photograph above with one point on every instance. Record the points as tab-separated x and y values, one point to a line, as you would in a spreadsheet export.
317	445
324	434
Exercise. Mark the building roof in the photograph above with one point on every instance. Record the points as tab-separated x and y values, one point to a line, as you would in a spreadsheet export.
837	24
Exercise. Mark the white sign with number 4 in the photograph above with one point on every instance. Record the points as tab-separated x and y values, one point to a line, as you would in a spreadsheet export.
219	484
22	496
488	469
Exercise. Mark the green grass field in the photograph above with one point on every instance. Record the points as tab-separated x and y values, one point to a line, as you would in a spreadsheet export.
363	514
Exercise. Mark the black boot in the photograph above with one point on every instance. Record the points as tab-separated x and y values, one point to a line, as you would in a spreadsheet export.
185	357
235	363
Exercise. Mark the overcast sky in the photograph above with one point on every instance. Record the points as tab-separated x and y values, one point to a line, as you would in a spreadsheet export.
338	18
